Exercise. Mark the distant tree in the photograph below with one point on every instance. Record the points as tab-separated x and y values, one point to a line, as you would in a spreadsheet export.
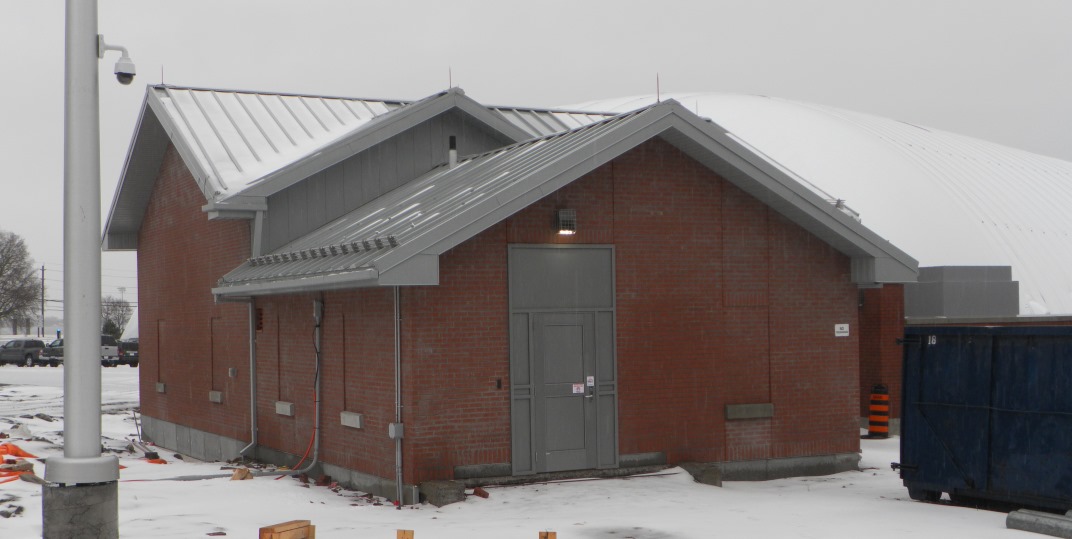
20	284
115	313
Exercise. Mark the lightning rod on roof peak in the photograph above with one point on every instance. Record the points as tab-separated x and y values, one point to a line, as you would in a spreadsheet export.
450	77
658	93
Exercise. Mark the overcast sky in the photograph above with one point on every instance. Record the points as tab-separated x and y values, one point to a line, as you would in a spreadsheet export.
993	69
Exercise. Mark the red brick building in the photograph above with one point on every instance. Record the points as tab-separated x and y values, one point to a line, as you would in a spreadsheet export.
324	277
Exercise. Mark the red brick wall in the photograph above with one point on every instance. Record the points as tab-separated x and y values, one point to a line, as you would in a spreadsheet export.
187	341
719	301
357	358
881	324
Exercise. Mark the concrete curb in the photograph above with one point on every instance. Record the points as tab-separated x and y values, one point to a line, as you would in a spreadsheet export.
1039	522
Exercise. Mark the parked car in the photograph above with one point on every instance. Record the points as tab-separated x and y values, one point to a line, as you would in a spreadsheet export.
53	353
109	352
128	352
22	352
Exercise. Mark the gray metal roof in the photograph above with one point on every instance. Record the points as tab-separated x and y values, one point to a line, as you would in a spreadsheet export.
233	140
397	238
543	122
241	146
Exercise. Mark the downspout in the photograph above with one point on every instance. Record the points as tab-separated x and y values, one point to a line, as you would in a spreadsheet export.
252	380
255	250
397	431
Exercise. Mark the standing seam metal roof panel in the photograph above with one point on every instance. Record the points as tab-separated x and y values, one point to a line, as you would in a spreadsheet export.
421	215
425	204
237	137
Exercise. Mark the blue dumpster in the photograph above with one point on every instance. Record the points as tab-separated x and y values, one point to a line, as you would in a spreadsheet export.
987	414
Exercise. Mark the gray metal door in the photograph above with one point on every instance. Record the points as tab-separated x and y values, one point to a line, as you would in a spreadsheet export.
564	350
563	378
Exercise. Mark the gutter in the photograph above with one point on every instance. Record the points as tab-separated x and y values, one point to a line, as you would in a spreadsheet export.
350	279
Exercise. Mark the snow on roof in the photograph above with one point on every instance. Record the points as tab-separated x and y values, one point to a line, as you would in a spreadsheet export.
946	199
235	138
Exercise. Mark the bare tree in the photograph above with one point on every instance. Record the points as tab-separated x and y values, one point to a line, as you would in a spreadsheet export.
115	313
19	282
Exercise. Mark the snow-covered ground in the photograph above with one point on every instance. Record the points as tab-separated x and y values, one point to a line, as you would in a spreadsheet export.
869	503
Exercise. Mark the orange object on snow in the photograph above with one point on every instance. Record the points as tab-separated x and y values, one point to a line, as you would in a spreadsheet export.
14	451
156	461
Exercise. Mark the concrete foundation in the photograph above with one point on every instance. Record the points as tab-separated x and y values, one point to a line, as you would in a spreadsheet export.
765	470
80	511
207	446
213	447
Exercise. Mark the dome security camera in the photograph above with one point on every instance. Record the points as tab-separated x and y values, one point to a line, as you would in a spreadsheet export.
124	70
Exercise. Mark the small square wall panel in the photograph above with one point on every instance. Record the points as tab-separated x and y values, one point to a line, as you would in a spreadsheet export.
352	419
284	408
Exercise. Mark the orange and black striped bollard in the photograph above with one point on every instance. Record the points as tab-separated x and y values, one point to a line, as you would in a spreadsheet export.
878	421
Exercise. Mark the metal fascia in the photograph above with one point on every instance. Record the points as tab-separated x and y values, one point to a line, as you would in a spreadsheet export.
779	184
235	208
126	168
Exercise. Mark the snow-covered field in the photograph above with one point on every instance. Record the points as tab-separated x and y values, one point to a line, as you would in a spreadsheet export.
869	503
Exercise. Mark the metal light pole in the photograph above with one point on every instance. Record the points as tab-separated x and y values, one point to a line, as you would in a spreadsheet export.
81	496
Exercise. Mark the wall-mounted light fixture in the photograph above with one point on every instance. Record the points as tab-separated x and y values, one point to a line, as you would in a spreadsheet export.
566	222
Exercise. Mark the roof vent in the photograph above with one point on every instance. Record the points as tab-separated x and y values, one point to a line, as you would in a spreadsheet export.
452	153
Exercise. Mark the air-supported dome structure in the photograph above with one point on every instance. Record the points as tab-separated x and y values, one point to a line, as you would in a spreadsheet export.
946	199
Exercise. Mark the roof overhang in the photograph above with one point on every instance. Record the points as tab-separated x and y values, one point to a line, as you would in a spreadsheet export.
874	259
518	176
422	270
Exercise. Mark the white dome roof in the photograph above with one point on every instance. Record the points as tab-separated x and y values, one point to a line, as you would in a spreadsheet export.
945	199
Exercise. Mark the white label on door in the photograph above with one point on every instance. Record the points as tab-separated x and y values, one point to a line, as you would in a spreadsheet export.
591	381
578	388
841	330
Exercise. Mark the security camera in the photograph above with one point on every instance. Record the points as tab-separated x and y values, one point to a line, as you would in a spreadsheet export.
124	70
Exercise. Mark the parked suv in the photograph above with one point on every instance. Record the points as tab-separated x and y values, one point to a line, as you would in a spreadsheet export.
109	352
23	352
128	352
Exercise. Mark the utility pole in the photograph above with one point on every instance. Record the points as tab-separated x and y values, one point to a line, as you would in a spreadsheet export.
41	333
81	495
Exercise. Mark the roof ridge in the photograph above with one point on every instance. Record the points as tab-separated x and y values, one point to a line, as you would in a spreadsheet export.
592	125
286	94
